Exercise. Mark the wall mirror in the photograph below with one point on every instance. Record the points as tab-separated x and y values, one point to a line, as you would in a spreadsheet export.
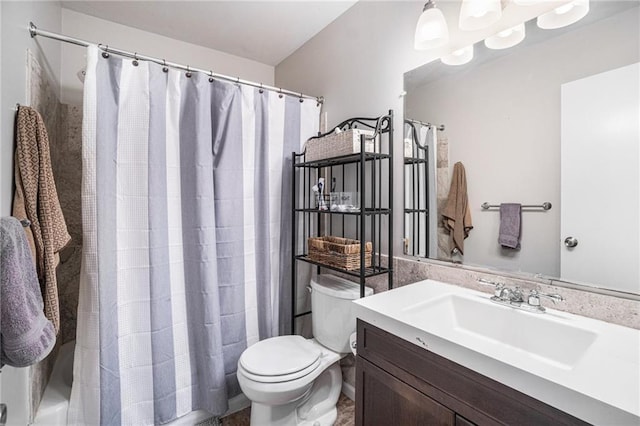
510	117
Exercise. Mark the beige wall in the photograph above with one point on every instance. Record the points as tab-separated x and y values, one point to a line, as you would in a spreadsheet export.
504	125
358	63
97	30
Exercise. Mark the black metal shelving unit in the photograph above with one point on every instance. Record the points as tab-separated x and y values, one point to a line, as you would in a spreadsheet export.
370	175
416	207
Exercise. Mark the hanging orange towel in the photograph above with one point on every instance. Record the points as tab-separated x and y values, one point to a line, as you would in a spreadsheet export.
457	215
36	199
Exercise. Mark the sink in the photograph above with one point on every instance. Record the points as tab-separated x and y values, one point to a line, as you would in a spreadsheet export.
477	321
580	365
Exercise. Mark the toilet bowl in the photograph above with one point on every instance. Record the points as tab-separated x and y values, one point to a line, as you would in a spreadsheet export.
291	380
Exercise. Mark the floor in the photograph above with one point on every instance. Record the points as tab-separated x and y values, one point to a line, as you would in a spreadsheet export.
346	414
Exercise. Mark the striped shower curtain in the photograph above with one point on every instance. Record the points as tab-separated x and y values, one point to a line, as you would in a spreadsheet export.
184	195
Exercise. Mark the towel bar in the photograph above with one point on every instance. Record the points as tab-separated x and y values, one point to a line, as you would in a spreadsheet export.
544	206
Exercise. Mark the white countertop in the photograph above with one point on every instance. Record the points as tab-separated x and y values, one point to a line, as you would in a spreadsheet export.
595	377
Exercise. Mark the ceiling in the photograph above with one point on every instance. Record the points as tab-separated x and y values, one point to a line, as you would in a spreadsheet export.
264	31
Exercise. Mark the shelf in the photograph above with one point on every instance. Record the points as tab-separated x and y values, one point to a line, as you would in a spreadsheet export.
344	159
368	272
413	160
367	212
370	174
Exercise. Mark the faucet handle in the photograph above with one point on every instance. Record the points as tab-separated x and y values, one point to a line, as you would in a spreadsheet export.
534	297
498	286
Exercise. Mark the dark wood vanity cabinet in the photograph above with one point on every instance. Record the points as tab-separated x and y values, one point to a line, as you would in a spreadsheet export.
401	384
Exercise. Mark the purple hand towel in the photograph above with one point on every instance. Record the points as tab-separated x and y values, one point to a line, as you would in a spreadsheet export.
26	335
510	225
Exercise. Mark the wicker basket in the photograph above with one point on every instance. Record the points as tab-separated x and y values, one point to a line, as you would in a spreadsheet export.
339	252
337	144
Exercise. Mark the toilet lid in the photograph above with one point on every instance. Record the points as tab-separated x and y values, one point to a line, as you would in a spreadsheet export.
281	356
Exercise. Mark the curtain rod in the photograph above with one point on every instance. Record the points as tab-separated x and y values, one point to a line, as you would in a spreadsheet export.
35	31
410	120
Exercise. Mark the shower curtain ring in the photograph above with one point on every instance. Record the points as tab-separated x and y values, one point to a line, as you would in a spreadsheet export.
135	59
301	99
105	54
164	66
210	76
188	74
280	95
261	89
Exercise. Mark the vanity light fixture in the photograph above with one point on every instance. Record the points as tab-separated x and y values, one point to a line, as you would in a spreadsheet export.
564	15
458	57
432	30
507	38
479	14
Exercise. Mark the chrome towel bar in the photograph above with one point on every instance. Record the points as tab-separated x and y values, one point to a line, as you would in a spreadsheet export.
544	206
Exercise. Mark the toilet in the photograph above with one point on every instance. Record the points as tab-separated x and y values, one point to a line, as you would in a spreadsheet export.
291	380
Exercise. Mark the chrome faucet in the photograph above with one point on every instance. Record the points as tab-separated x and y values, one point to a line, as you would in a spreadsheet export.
507	295
515	298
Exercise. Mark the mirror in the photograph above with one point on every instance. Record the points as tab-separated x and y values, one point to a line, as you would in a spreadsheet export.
505	120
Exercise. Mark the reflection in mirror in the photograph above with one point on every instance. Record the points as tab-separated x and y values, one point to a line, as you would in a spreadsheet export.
420	159
509	116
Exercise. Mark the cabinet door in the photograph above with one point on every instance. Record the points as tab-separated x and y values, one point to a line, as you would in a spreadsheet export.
384	400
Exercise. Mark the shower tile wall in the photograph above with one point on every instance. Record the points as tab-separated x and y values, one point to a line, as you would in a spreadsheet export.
67	168
64	127
442	191
43	97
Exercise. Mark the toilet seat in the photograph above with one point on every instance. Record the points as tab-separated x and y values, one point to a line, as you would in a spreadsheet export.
280	359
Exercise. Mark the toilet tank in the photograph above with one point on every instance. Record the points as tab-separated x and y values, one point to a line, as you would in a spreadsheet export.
332	310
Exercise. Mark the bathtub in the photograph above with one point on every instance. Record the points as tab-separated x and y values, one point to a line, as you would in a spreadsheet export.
55	401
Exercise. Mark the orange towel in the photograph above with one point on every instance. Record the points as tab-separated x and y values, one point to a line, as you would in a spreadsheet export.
36	199
456	214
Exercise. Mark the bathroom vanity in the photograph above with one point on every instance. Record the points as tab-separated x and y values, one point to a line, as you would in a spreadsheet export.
400	383
432	353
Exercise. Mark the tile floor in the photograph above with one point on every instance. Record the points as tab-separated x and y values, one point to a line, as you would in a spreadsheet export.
346	415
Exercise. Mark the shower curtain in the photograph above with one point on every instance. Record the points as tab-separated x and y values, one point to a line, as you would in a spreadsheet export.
185	254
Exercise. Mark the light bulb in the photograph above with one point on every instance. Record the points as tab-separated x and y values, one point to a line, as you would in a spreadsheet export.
563	9
507	38
432	30
459	56
564	15
479	14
